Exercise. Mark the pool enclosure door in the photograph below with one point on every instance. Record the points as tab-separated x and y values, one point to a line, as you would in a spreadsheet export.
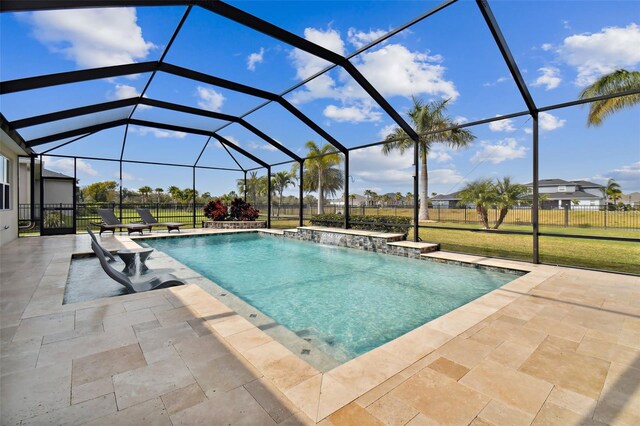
58	211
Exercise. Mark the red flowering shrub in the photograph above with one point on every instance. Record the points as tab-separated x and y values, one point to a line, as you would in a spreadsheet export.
215	210
241	210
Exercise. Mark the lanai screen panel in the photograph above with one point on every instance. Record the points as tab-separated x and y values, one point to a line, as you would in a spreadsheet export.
70	124
356	24
29	103
254	144
196	94
340	106
214	154
162	146
252	58
465	67
285	128
567	45
103	144
176	118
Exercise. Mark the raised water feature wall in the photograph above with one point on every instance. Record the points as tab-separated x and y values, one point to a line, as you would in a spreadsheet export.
362	240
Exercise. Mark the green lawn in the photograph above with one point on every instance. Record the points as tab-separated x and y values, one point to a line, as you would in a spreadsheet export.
607	255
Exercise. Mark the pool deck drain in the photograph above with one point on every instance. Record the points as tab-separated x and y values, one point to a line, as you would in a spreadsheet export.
555	346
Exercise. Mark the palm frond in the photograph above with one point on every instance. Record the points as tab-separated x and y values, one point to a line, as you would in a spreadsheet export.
616	82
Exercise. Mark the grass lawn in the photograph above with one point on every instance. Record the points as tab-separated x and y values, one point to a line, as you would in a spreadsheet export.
607	255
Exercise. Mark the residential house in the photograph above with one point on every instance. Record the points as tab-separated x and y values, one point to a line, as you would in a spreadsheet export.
560	193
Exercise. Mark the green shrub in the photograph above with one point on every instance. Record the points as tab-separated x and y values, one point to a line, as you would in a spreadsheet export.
396	224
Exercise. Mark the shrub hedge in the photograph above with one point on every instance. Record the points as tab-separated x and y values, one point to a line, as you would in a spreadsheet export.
368	223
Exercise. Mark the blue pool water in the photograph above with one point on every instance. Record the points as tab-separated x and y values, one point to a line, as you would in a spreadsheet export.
350	301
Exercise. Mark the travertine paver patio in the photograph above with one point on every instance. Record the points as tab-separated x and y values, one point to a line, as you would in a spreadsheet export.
557	346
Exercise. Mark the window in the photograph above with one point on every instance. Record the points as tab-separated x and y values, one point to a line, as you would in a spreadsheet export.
562	189
5	186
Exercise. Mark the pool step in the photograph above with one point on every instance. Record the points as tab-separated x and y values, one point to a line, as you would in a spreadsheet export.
421	246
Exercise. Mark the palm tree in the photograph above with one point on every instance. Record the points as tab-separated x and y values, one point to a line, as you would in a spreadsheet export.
367	194
397	197
321	173
158	192
253	186
144	191
281	181
616	82
482	193
175	193
611	191
352	198
507	195
409	197
427	118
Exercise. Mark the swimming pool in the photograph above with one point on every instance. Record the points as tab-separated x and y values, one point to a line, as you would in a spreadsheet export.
344	301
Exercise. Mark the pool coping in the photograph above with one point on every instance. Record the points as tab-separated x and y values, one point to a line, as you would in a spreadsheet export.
319	394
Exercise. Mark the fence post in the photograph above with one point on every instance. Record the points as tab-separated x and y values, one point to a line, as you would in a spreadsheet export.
465	214
438	213
566	216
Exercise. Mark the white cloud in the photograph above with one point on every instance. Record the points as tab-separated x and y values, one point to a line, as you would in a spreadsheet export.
439	156
549	122
158	133
267	147
601	53
255	58
352	114
414	73
65	166
92	37
459	119
549	77
123	91
361	38
231	139
627	176
546	47
306	64
505	125
445	176
386	131
127	177
506	149
498	81
371	165
209	99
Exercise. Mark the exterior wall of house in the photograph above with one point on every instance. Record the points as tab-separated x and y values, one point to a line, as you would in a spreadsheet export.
553	189
593	191
9	217
58	191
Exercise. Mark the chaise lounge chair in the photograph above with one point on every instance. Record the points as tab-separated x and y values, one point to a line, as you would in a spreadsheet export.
148	218
162	281
106	252
110	223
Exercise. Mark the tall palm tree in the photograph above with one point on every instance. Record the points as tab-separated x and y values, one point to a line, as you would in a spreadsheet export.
397	197
616	82
482	193
144	191
281	181
321	173
253	185
427	118
175	193
507	195
158	191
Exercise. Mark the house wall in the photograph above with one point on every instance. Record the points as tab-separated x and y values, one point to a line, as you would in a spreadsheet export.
9	218
58	191
554	189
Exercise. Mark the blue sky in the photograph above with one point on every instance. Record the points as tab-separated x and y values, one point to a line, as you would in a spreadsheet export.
560	47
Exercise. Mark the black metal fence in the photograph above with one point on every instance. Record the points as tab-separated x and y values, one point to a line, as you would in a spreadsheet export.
574	216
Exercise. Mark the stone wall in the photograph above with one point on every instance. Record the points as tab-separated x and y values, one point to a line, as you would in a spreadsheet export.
248	224
375	243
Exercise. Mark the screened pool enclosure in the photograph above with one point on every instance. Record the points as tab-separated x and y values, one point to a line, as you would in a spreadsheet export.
227	91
